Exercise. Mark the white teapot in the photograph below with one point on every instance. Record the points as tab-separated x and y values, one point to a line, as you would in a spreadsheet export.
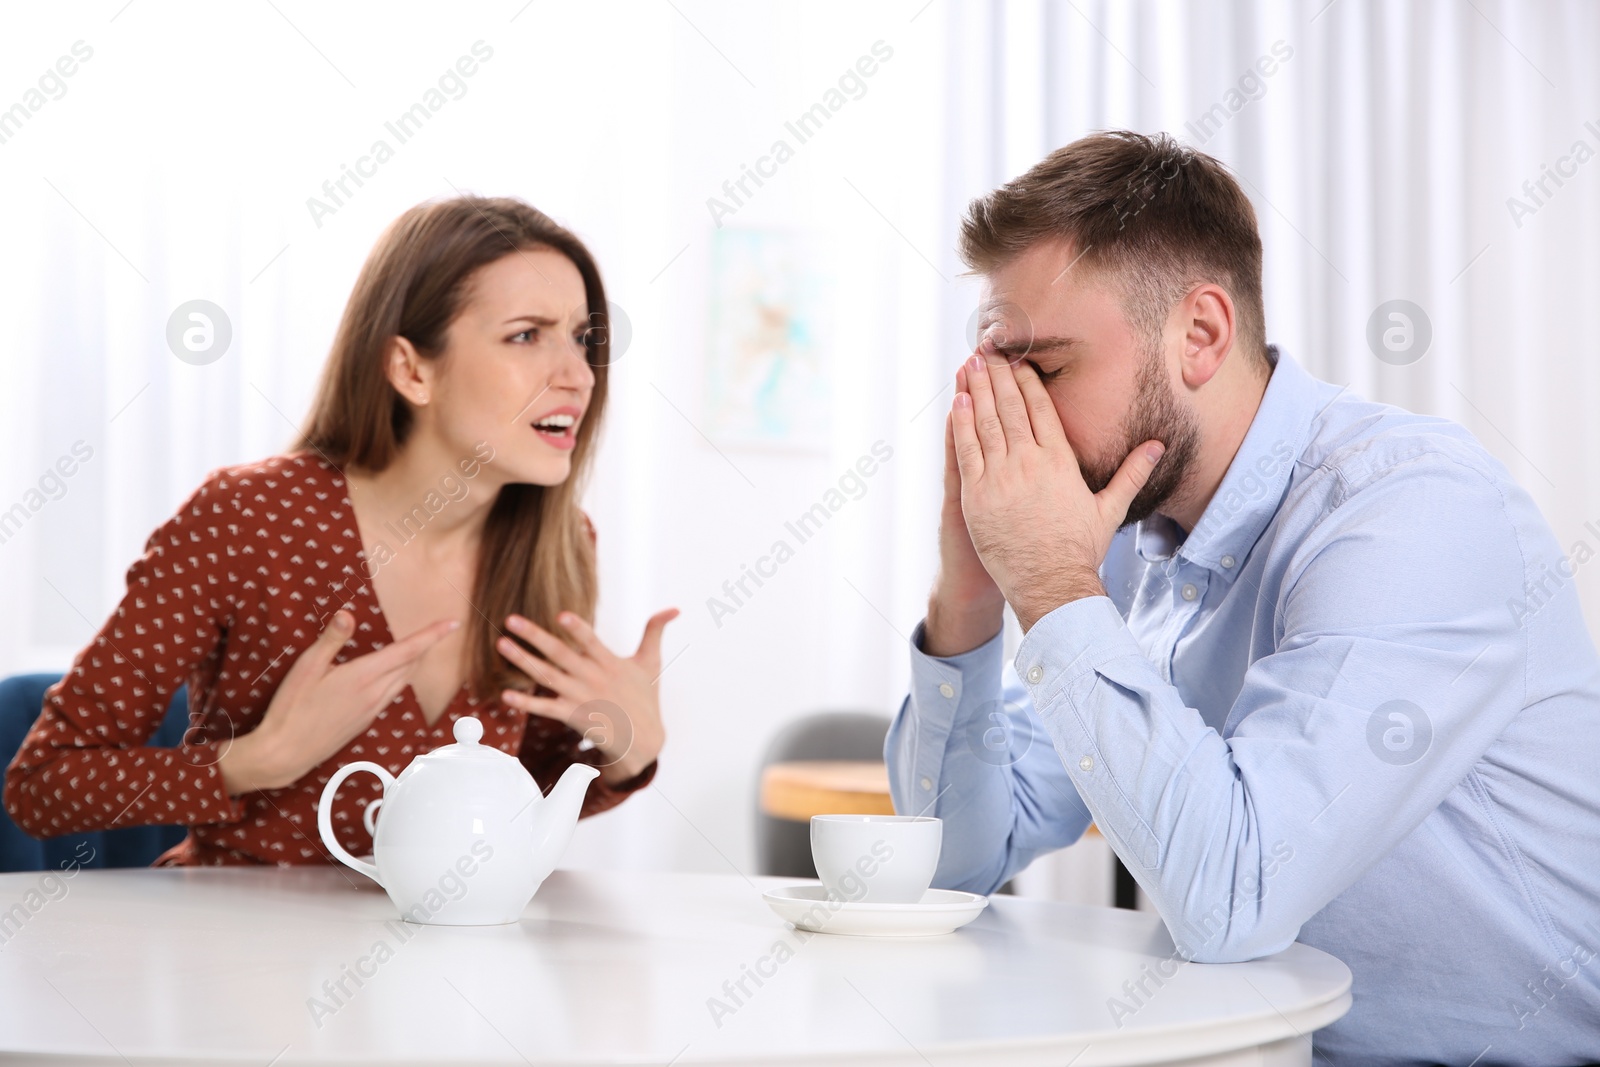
466	837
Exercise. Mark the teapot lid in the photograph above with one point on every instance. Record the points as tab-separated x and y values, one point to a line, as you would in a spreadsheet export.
468	732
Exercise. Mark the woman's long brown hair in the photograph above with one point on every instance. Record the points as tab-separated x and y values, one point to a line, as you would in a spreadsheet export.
535	557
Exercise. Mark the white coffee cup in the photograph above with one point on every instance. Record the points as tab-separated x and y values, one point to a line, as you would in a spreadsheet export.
876	859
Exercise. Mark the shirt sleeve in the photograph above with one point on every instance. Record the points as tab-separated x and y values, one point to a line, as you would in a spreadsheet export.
1395	667
967	747
84	765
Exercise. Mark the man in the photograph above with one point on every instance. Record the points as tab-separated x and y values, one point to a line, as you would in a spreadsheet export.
1314	666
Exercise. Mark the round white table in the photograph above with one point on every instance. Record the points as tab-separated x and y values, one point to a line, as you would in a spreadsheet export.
312	966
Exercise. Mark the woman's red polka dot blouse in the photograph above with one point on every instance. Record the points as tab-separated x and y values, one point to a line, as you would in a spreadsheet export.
228	593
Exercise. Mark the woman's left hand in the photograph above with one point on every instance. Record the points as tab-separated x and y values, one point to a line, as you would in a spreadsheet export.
607	698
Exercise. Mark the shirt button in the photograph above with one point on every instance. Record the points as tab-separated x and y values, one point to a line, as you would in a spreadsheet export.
1228	562
926	783
1086	763
1189	591
946	689
1035	673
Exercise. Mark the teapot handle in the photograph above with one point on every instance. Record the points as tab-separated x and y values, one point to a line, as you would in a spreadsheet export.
325	815
369	817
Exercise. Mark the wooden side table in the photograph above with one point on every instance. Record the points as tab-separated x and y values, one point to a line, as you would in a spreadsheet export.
800	789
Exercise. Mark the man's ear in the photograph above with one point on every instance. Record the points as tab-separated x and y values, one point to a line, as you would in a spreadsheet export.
409	373
1206	317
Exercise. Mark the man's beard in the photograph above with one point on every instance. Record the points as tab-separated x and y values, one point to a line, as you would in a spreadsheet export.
1156	414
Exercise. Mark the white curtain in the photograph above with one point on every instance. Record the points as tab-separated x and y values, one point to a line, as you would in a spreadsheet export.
177	162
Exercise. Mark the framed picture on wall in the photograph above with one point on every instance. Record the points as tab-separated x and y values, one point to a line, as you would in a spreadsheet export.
766	381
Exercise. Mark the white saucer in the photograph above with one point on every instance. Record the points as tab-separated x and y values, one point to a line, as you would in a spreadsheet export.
939	911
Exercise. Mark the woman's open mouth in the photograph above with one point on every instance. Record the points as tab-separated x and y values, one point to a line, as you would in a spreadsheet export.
559	428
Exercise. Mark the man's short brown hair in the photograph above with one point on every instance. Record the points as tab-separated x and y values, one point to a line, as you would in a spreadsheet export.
1151	214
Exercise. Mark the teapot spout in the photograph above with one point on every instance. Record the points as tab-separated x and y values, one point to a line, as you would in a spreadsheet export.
556	817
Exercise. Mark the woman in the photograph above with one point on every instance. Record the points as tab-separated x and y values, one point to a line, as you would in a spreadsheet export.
432	497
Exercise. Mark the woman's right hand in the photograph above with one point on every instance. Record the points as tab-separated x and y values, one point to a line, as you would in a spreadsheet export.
319	708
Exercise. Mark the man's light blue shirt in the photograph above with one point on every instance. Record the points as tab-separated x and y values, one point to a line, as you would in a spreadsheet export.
1356	706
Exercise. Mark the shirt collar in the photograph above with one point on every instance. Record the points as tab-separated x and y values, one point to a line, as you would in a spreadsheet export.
1256	481
1157	538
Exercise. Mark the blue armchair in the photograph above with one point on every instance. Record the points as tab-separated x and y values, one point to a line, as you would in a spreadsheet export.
21	698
